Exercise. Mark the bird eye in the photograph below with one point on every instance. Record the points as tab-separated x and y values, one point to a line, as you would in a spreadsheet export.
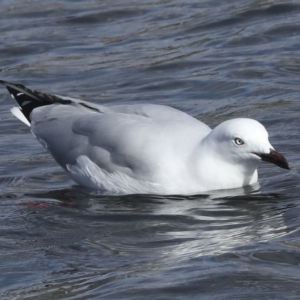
239	141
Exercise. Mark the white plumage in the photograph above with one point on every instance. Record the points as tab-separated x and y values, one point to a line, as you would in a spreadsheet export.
144	148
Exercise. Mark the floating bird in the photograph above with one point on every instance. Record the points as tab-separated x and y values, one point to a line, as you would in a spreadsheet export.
143	148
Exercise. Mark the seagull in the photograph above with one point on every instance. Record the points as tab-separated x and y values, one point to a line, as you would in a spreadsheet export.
143	148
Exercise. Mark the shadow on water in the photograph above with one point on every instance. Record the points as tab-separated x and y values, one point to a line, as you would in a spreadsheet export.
78	193
112	246
248	210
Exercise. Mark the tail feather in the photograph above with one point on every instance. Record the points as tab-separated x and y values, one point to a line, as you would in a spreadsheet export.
29	99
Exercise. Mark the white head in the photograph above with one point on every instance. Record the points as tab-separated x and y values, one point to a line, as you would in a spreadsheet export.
239	139
245	141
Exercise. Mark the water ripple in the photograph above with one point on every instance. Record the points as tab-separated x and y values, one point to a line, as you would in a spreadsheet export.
213	59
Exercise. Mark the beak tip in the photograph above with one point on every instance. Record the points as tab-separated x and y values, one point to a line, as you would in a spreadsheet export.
284	166
275	158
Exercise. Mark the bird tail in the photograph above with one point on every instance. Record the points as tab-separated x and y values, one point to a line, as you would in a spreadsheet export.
28	100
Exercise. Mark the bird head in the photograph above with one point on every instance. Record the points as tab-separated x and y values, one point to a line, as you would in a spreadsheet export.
245	141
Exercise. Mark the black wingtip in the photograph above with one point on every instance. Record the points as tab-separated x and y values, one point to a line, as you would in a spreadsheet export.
29	99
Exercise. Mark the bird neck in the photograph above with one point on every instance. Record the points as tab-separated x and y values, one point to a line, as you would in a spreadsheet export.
216	172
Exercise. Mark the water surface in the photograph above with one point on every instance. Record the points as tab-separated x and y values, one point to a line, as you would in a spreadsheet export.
215	60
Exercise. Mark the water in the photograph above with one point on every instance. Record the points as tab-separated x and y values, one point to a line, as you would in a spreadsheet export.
212	59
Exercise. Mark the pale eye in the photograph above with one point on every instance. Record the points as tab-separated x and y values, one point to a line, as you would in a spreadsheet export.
239	141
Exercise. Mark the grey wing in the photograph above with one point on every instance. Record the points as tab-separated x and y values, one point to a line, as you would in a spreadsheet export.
154	111
111	140
52	126
122	136
130	143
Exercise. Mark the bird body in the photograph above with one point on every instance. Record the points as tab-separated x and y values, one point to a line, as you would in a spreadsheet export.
143	148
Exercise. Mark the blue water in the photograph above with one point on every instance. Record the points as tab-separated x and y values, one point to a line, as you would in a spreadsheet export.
215	60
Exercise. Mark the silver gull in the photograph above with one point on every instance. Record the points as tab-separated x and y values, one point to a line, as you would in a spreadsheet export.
143	148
